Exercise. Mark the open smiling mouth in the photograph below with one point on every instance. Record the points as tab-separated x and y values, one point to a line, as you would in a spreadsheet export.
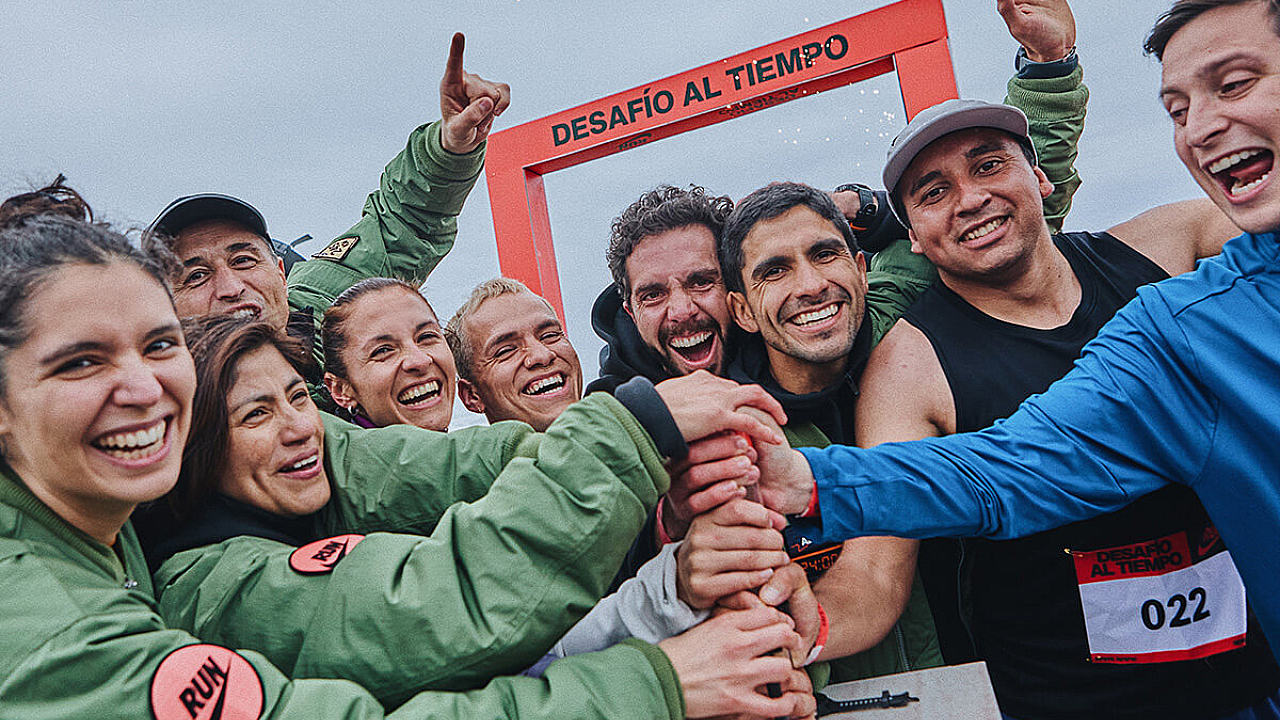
544	385
419	393
984	230
134	445
694	348
1240	172
811	317
302	465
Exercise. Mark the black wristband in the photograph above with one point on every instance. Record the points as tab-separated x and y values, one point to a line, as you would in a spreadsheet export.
875	226
1031	70
639	396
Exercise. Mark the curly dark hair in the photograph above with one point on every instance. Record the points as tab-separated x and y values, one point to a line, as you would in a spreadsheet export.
657	211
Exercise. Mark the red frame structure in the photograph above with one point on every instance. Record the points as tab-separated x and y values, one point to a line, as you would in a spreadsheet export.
909	36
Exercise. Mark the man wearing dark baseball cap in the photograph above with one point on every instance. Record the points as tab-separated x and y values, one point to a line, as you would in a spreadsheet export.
229	264
1012	309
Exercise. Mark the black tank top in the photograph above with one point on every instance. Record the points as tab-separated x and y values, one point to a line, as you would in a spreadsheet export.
1021	599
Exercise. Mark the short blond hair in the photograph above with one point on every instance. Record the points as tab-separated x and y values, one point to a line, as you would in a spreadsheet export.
454	332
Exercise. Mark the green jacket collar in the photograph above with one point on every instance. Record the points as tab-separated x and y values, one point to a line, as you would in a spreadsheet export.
14	493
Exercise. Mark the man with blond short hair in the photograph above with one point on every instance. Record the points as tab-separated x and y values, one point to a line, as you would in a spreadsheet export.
513	356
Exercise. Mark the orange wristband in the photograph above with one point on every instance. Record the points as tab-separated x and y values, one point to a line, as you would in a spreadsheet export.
812	509
824	629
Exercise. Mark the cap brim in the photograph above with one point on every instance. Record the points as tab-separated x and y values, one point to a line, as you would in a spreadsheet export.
189	210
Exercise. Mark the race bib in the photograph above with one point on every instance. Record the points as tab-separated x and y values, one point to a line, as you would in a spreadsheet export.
1161	600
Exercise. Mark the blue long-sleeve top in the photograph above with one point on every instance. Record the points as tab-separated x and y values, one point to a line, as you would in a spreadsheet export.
1183	385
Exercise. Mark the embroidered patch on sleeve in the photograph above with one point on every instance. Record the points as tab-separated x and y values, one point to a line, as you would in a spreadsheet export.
338	249
206	682
321	556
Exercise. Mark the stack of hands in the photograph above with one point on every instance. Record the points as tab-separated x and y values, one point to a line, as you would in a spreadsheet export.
765	619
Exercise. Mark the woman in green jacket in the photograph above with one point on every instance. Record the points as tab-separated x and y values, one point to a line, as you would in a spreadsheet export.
386	361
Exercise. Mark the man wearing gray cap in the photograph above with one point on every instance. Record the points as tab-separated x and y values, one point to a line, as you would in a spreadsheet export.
407	226
1011	312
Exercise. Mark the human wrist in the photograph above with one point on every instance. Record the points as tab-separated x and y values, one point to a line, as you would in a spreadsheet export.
668	533
639	396
824	631
799	494
1034	63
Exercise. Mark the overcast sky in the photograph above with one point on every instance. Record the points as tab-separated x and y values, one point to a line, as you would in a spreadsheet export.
296	108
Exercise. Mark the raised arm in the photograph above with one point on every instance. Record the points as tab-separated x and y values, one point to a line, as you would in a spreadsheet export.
1049	88
409	223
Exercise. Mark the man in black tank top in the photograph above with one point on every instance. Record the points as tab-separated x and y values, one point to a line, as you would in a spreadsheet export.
1012	309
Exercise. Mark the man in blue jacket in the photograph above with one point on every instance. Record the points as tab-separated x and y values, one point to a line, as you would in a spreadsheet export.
1178	387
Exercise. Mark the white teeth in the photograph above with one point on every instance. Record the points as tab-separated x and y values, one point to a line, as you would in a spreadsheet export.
544	384
303	463
1242	189
133	440
415	394
133	445
245	313
688	342
1221	164
815	315
982	230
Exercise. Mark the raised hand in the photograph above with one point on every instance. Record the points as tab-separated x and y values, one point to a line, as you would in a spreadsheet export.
703	404
1046	28
468	103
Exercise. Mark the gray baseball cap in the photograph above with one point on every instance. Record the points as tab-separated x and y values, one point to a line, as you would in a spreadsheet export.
945	118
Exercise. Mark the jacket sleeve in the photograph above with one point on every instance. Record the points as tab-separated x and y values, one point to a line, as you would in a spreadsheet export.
60	660
488	593
895	278
1055	108
72	648
1118	426
645	607
405	229
630	680
402	478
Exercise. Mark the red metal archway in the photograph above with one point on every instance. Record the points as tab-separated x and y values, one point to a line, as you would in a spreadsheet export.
909	36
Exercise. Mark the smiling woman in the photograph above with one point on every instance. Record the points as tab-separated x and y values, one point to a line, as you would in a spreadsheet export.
93	413
386	359
95	405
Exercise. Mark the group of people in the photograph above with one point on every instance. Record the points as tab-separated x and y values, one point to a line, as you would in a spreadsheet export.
227	490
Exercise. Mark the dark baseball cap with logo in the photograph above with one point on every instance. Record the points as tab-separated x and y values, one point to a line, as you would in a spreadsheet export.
191	209
942	119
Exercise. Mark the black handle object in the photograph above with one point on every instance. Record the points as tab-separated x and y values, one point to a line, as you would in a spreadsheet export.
828	706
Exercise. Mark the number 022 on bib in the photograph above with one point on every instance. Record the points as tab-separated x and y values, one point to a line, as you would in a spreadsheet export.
1161	600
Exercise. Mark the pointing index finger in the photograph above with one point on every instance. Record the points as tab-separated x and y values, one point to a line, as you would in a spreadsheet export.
453	67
